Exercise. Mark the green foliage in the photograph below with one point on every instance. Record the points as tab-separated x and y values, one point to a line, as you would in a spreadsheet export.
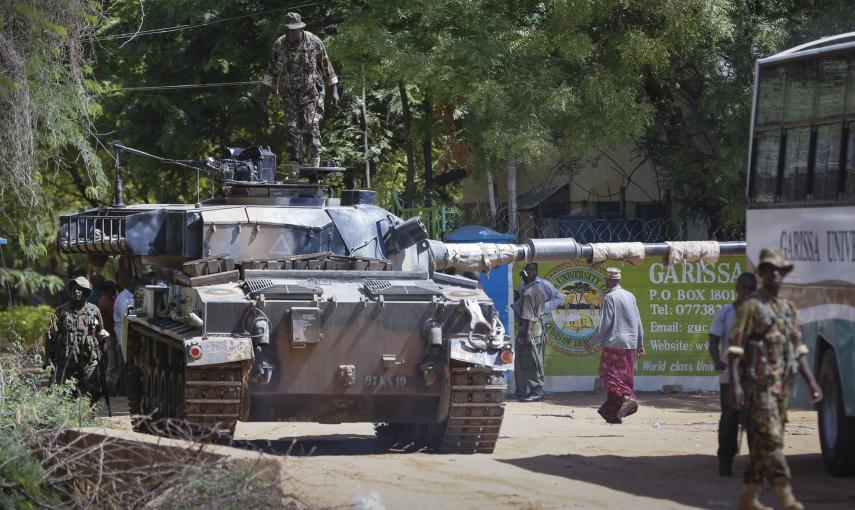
22	476
45	113
30	415
25	282
32	411
24	325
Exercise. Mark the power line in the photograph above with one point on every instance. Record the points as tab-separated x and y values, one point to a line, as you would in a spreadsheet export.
178	28
185	86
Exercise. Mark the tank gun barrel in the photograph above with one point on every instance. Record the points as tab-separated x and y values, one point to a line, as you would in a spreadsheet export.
485	256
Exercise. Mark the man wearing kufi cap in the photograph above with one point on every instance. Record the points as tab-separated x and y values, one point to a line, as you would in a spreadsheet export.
622	337
73	340
537	298
298	68
767	338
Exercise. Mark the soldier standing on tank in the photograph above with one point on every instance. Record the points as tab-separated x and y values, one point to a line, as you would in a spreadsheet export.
297	70
537	297
766	336
74	338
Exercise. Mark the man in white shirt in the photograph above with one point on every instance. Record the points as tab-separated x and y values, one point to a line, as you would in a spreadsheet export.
124	300
622	337
719	334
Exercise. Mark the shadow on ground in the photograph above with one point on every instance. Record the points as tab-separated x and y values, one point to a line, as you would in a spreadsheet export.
319	446
689	479
705	403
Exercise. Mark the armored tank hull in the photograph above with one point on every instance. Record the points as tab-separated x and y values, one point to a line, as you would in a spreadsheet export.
278	304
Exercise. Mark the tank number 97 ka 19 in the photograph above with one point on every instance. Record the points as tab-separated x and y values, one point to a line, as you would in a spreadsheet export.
380	381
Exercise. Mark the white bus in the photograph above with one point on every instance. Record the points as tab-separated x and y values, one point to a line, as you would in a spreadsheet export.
801	198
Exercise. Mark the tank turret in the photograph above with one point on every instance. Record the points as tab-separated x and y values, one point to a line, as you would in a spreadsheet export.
274	302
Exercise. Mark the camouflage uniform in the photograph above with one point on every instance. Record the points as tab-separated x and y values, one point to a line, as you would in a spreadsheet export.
72	346
297	74
766	335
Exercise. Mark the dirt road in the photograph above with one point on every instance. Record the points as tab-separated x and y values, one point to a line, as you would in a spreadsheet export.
555	454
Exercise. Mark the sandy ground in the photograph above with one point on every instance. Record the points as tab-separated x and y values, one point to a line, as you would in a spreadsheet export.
555	454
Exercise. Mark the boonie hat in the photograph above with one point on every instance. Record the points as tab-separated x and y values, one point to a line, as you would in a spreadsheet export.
293	20
613	273
83	283
774	257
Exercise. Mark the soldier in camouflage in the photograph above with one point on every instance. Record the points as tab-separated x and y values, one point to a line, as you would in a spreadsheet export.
765	352
297	70
74	338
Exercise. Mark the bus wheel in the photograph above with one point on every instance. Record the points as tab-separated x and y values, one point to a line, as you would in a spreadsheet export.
836	430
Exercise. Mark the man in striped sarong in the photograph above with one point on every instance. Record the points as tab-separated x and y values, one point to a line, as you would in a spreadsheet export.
621	334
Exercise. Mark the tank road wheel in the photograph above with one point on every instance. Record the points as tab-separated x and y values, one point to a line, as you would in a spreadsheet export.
172	394
477	407
836	430
147	379
163	403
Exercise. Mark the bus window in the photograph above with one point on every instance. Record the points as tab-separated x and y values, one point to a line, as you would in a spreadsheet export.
849	189
826	169
798	103
766	170
831	87
850	97
794	185
770	95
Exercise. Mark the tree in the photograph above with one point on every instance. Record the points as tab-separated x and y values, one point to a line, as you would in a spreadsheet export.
46	112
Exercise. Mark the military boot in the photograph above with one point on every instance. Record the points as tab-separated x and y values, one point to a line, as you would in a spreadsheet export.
784	491
316	161
748	500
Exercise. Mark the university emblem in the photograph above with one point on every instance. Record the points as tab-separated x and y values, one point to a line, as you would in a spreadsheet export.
570	327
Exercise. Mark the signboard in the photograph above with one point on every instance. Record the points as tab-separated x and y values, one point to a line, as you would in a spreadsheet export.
819	240
677	305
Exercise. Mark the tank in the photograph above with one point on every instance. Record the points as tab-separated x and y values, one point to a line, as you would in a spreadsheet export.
278	303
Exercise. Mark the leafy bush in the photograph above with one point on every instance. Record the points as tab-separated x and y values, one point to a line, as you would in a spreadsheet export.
31	414
24	325
22	477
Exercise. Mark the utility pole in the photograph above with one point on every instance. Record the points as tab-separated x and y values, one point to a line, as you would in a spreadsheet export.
512	197
365	133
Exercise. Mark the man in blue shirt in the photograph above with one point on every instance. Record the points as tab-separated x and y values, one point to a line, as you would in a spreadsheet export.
728	424
537	298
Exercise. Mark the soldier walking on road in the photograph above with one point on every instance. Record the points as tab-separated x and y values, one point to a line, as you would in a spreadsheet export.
537	297
297	70
728	423
73	340
767	337
622	336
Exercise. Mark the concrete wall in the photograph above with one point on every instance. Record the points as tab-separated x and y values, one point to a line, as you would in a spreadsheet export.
592	179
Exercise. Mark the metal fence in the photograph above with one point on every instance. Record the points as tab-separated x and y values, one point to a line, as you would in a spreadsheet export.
586	229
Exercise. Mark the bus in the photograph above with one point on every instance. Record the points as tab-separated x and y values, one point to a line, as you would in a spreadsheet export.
801	198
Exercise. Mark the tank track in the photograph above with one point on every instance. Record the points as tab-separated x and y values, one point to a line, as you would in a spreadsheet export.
476	410
476	407
195	402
